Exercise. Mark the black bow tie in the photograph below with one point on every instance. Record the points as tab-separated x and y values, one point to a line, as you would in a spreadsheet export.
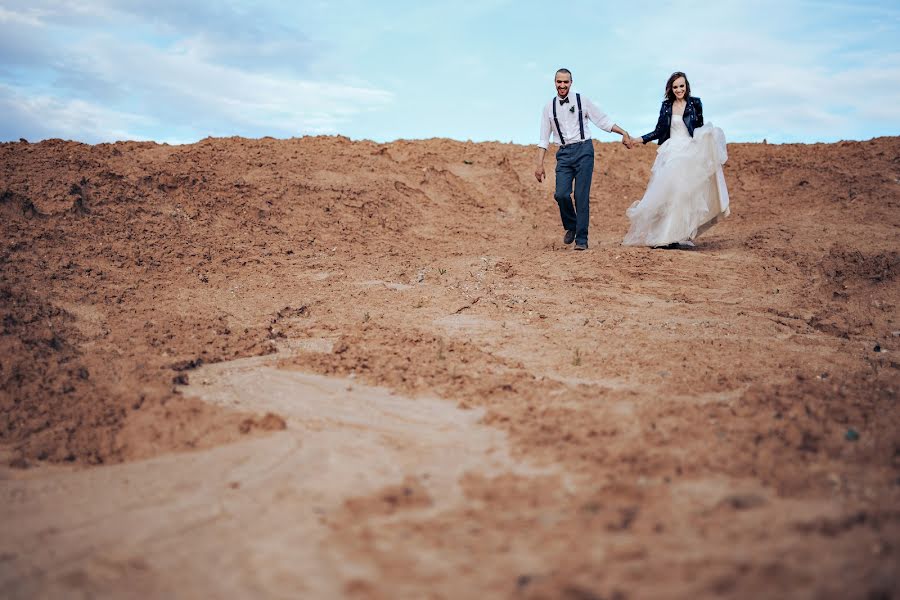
564	101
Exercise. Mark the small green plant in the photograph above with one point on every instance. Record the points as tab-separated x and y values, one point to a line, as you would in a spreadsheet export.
442	271
366	317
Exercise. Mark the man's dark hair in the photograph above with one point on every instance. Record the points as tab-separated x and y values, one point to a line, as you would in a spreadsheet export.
566	71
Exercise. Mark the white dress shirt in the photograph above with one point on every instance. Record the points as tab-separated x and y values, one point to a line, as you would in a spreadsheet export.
568	120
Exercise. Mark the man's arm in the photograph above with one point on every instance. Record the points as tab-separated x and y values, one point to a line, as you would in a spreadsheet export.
602	120
539	165
542	145
626	138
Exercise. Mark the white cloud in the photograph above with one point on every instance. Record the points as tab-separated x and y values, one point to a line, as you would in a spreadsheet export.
31	17
182	88
170	83
36	116
767	70
261	35
787	71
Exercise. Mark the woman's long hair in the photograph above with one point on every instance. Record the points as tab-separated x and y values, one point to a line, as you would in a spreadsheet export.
670	95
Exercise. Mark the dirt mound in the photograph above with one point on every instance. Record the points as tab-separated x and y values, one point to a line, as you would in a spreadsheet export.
843	265
739	398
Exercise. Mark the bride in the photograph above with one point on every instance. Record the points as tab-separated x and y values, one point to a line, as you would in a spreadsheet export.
686	194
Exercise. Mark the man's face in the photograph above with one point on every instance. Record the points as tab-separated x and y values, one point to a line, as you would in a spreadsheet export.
563	82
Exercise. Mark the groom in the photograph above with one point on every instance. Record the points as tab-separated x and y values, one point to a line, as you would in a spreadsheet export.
566	118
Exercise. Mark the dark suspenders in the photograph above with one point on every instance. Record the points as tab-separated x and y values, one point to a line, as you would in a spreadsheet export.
580	119
562	140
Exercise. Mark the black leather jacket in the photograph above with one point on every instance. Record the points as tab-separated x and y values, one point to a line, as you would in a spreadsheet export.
693	118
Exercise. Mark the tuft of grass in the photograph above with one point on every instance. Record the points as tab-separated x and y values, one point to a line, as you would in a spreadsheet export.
366	317
442	271
576	360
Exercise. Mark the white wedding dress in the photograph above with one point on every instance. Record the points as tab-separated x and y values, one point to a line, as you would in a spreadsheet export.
686	194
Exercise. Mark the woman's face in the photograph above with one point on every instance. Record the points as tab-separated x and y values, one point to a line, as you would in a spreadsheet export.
679	88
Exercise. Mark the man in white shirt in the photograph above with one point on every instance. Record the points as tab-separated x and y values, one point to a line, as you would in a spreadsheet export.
567	119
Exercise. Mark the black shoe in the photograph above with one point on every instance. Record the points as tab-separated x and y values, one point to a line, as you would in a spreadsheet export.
569	237
581	246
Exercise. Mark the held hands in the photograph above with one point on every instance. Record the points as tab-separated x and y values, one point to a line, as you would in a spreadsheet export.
627	140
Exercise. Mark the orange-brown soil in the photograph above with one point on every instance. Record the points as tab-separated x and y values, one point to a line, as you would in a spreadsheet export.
719	421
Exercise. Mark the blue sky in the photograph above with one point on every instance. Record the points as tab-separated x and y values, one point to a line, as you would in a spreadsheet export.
177	71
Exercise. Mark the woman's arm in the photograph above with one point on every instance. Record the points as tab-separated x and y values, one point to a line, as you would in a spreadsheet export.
660	127
698	107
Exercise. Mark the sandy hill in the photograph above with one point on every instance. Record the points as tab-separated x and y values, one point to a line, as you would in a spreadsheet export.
765	359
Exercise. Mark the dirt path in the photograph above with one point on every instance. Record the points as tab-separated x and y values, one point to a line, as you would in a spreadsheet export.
250	518
461	406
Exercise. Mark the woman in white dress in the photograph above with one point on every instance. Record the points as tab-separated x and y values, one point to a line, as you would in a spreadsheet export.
686	194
